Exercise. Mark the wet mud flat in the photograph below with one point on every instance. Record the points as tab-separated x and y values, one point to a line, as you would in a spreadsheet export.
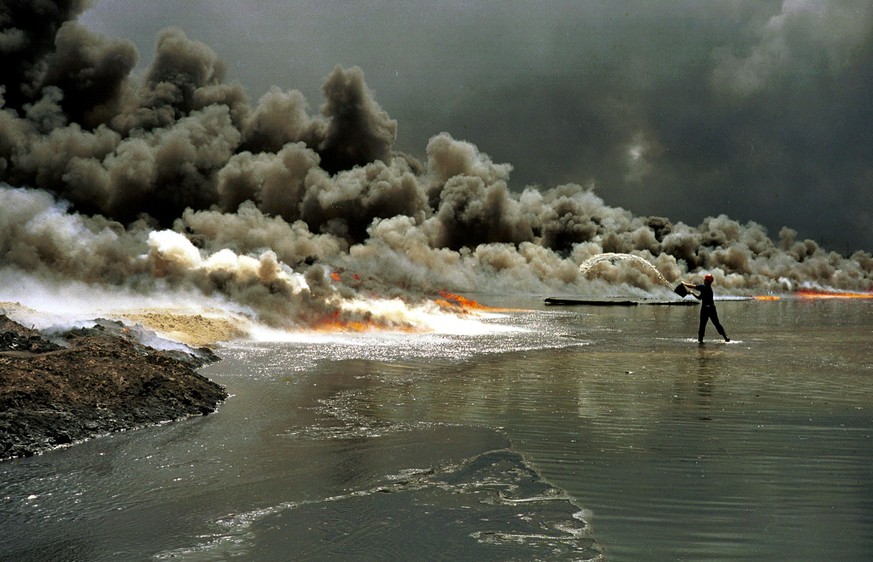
60	388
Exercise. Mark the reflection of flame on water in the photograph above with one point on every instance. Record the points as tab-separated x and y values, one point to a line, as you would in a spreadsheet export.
818	294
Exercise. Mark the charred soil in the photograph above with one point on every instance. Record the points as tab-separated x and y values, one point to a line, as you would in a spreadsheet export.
59	389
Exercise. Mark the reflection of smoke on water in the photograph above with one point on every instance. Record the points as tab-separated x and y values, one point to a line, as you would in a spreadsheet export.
400	363
176	181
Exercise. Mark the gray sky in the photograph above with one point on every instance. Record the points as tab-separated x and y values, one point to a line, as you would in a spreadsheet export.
759	110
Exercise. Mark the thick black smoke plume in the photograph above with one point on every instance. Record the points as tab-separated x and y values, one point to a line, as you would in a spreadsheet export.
176	179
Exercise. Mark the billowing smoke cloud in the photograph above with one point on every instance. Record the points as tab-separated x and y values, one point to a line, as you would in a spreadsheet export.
178	181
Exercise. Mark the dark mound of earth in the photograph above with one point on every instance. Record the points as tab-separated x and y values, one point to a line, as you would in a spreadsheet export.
65	387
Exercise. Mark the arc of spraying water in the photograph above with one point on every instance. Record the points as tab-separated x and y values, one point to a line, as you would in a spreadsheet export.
612	257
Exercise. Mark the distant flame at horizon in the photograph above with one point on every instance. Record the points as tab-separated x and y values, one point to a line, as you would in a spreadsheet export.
819	294
453	302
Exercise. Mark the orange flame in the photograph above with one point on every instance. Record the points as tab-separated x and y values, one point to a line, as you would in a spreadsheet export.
816	294
337	322
458	303
337	276
767	298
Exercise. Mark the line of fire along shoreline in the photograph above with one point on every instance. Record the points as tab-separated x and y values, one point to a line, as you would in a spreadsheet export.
815	294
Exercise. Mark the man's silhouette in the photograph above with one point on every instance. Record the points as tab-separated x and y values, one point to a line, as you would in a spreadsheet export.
707	307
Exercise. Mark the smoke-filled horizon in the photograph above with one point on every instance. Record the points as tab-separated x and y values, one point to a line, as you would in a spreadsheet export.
755	109
175	178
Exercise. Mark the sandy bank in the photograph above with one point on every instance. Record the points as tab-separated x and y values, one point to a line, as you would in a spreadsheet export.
191	329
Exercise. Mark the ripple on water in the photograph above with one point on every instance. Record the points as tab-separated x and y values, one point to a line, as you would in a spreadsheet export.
492	506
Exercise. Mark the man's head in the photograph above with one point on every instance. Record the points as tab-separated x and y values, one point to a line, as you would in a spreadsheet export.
708	279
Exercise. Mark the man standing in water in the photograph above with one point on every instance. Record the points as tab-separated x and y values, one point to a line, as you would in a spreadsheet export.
707	307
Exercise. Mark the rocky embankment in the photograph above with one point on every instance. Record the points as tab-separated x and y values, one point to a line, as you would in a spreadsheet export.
59	388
